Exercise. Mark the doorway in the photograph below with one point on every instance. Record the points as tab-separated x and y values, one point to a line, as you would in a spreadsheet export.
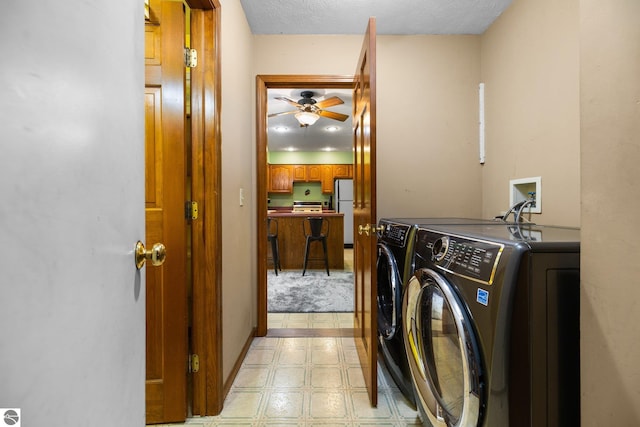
291	83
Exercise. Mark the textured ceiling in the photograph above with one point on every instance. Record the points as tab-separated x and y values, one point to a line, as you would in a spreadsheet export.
392	16
351	17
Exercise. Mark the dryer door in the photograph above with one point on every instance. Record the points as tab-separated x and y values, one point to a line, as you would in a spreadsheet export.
389	293
443	355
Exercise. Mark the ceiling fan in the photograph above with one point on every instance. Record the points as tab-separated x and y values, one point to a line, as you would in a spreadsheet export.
309	110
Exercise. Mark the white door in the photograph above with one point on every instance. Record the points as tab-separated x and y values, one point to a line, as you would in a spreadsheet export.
72	322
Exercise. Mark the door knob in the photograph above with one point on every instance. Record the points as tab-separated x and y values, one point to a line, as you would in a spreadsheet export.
364	229
156	255
369	229
375	229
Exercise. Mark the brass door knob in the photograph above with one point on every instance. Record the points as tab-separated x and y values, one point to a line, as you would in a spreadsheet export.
156	255
364	229
375	229
368	229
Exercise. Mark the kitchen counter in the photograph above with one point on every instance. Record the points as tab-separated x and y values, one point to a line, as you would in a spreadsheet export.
292	241
280	213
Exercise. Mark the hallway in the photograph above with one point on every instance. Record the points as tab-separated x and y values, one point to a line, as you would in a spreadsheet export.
305	381
306	372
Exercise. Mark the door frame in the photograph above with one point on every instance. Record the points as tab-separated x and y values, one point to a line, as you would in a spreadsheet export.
263	83
205	339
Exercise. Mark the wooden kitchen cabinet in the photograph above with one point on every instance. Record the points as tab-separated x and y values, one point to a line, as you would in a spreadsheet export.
299	172
327	179
306	173
280	178
314	172
343	171
292	242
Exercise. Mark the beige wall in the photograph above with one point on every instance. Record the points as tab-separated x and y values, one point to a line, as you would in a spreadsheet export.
610	134
428	126
530	67
238	222
306	54
427	113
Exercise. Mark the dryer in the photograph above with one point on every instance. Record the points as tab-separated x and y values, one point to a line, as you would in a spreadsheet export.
394	268
491	325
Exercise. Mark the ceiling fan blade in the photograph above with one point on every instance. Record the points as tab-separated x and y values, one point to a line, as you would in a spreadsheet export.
329	102
332	115
283	113
289	100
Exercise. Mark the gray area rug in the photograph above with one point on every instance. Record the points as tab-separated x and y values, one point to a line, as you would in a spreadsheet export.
315	292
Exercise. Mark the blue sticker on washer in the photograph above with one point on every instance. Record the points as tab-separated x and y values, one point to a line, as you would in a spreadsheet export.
483	297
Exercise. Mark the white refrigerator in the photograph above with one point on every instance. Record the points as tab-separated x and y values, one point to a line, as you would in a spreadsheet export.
343	192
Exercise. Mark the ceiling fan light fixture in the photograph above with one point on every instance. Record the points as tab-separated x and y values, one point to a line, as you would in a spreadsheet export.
307	118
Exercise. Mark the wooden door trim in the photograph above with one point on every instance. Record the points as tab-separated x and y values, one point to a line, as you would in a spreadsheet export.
264	82
206	334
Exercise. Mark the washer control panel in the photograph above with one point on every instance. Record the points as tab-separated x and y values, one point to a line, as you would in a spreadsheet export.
395	233
470	258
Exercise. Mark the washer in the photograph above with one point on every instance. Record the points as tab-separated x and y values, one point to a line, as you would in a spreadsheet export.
394	268
491	325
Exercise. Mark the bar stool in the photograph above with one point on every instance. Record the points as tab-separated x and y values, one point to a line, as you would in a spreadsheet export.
314	230
272	236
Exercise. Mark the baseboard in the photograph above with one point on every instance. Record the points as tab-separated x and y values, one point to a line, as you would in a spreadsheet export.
236	367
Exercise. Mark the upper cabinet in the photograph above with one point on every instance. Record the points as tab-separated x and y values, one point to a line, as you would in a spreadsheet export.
299	172
327	178
306	173
281	177
314	172
342	171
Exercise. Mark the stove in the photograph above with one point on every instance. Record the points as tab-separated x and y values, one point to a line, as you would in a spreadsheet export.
308	207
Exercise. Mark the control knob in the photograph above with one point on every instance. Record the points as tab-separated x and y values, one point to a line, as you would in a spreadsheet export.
440	248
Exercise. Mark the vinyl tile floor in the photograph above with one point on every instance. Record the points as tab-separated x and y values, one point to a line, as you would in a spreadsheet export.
308	381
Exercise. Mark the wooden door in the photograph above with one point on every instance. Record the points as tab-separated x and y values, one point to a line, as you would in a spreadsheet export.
364	212
166	392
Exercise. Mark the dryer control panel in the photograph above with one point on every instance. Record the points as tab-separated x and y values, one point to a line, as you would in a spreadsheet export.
476	260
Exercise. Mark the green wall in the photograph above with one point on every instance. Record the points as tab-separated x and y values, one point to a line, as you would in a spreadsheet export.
310	157
299	188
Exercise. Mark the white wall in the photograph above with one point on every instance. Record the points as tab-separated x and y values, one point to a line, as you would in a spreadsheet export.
610	134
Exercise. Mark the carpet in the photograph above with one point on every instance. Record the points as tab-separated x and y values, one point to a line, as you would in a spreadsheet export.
315	292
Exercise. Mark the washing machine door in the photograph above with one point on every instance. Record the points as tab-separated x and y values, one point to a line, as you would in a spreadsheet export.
445	363
389	293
